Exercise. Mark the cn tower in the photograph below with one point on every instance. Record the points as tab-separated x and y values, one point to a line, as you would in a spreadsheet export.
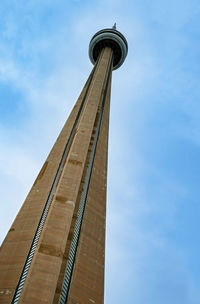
54	251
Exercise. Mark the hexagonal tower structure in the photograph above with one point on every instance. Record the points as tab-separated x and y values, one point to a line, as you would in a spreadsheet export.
54	250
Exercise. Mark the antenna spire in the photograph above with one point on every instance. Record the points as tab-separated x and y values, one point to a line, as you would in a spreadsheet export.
114	26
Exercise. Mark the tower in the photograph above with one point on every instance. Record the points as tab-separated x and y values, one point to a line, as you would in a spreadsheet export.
54	250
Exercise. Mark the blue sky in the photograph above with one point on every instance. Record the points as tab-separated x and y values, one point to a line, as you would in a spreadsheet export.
153	204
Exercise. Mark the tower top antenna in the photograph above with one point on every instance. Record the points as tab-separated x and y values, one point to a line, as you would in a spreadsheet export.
114	26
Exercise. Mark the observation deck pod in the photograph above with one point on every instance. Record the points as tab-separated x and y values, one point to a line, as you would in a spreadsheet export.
109	38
